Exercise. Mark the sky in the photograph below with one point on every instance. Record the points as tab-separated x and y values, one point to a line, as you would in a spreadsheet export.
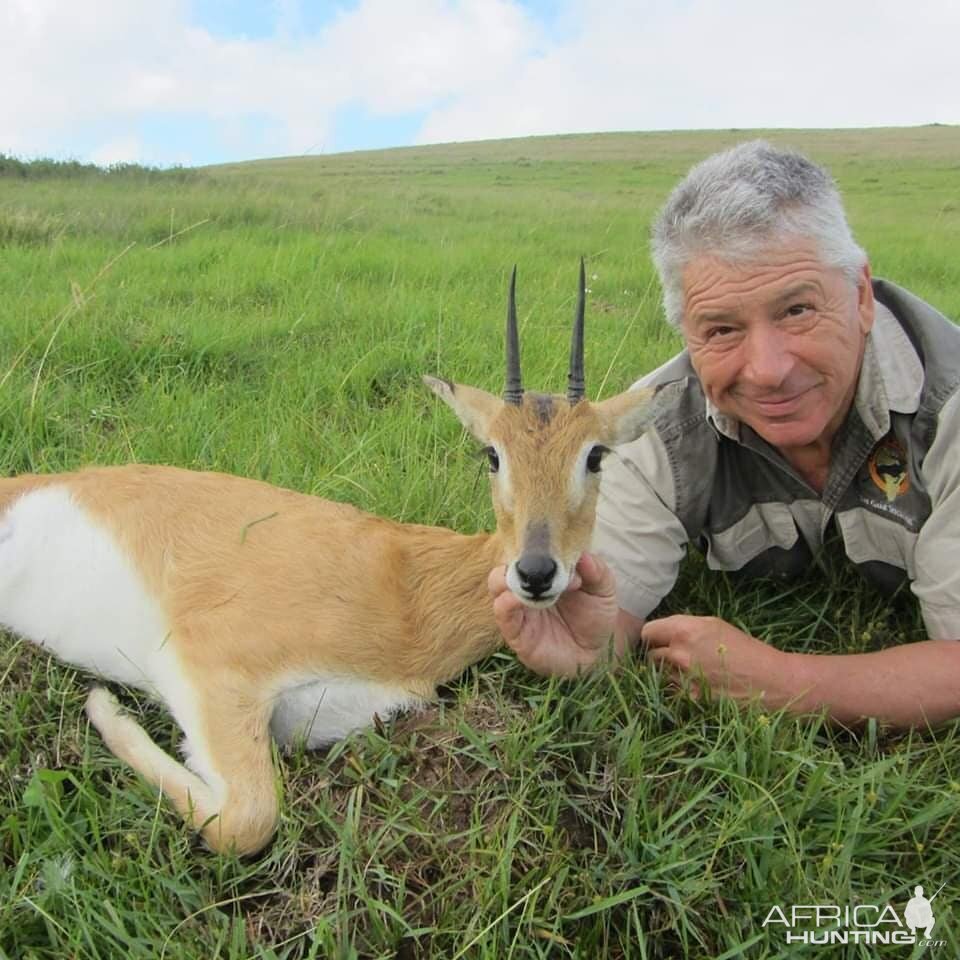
195	82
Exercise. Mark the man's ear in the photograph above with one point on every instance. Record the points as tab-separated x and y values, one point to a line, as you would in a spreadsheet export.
475	408
626	414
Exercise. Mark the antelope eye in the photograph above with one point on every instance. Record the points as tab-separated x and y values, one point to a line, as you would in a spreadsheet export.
595	458
493	458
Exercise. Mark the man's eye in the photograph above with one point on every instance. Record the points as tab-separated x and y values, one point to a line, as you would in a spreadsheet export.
715	333
798	309
595	458
493	458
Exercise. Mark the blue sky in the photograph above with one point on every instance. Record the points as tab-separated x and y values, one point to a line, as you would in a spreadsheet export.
354	126
207	81
259	19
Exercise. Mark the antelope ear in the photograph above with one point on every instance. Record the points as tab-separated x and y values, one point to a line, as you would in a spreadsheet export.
627	414
475	408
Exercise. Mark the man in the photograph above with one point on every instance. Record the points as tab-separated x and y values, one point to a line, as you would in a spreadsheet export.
809	397
919	913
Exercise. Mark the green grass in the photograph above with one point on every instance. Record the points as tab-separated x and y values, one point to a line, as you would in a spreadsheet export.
273	319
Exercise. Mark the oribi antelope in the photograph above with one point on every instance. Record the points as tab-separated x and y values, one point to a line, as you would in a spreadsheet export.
252	610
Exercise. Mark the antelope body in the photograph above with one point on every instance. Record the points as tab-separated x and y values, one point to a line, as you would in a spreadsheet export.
254	611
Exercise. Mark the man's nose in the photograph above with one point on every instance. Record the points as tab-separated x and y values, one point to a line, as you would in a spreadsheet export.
768	359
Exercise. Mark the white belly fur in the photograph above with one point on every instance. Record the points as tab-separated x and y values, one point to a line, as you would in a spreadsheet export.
323	709
66	585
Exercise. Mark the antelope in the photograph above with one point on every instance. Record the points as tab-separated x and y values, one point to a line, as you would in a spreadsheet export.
254	611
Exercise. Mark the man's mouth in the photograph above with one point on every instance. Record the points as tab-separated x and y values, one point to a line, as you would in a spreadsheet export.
777	405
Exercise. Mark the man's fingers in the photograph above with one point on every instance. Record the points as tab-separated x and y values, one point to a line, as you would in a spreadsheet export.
497	581
591	575
576	582
508	611
676	668
597	577
670	657
666	630
669	671
657	633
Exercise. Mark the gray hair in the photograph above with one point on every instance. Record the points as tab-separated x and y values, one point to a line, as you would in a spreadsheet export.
737	202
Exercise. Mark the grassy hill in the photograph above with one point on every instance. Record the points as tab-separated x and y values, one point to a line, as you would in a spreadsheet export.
272	319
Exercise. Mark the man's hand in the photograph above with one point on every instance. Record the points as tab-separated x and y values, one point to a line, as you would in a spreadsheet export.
568	637
915	684
729	660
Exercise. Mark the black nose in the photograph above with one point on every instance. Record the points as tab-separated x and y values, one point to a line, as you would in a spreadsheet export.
536	571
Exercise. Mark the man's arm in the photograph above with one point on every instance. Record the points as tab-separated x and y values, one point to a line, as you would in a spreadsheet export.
913	685
917	684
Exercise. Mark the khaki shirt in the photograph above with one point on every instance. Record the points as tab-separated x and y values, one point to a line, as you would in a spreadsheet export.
896	504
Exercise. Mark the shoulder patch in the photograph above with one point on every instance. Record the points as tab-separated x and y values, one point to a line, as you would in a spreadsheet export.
887	464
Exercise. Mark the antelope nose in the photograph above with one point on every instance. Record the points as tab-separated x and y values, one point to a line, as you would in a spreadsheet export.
536	571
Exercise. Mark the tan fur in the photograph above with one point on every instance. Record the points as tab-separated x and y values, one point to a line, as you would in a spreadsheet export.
258	583
541	460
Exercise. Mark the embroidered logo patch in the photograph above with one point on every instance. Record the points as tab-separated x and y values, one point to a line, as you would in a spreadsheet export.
888	468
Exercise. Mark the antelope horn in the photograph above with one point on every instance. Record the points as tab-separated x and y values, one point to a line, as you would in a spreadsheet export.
575	384
514	389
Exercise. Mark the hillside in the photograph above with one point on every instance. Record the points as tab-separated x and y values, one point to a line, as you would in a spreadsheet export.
273	319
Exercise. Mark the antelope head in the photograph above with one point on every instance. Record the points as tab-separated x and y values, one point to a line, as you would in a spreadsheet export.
545	453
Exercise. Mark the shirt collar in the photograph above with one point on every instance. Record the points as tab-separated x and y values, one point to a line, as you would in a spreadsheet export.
891	378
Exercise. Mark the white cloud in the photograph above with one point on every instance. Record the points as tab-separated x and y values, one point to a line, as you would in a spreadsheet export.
113	62
119	150
746	63
89	72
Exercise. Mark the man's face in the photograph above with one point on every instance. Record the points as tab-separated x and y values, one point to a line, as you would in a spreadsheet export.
777	343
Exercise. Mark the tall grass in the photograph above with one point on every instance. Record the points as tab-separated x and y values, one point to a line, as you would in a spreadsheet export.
273	320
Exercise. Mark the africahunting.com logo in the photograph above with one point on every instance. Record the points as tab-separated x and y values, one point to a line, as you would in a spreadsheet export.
866	923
